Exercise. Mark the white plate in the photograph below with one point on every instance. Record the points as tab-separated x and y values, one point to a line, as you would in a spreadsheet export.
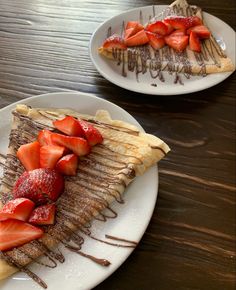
77	272
223	33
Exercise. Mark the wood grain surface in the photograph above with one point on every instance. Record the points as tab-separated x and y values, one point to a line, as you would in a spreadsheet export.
190	242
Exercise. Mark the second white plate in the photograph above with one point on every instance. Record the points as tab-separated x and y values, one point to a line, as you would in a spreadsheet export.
223	33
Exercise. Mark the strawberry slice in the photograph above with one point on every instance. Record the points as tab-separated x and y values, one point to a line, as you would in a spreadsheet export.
194	42
178	32
169	27
44	137
43	215
132	27
78	145
177	42
50	154
40	185
178	22
19	209
92	135
156	41
139	38
28	155
67	165
69	125
114	42
158	27
201	31
14	233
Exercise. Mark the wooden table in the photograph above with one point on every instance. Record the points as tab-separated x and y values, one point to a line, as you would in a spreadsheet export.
190	242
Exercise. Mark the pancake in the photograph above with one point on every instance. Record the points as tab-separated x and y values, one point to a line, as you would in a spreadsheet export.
102	178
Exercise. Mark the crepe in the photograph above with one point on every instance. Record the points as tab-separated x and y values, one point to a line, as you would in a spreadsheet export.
211	59
102	176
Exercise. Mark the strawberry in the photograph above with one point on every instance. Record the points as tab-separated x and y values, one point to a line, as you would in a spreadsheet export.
158	27
178	32
201	31
194	42
92	135
169	27
43	215
178	22
139	38
69	125
28	155
19	209
14	233
177	42
40	185
67	165
132	27
50	154
78	145
44	137
155	40
114	41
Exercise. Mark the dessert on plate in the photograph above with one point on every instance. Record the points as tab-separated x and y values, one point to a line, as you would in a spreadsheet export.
63	169
178	41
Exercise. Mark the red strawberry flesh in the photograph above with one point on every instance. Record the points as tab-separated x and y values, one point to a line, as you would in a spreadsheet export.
194	42
43	215
91	133
67	165
44	137
14	233
177	42
201	31
28	155
114	42
19	208
78	145
39	185
69	125
50	154
139	38
158	27
155	40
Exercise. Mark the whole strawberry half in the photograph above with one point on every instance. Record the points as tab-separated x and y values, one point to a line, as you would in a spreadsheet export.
39	185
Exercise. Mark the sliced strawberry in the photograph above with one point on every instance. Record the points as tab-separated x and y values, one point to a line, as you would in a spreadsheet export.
178	22
194	42
40	185
28	155
43	215
67	165
169	27
78	145
158	27
139	38
201	31
92	135
14	233
44	137
179	32
114	41
155	40
69	125
50	154
132	28
177	42
19	209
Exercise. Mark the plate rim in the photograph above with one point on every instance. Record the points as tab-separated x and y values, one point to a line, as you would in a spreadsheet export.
136	89
155	167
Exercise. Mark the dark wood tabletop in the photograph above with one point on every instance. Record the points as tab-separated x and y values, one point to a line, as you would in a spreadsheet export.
190	241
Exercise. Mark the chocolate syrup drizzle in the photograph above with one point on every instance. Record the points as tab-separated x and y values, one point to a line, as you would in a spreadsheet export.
102	175
143	59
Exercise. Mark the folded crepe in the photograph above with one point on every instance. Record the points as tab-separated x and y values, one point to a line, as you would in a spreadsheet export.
102	177
211	59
